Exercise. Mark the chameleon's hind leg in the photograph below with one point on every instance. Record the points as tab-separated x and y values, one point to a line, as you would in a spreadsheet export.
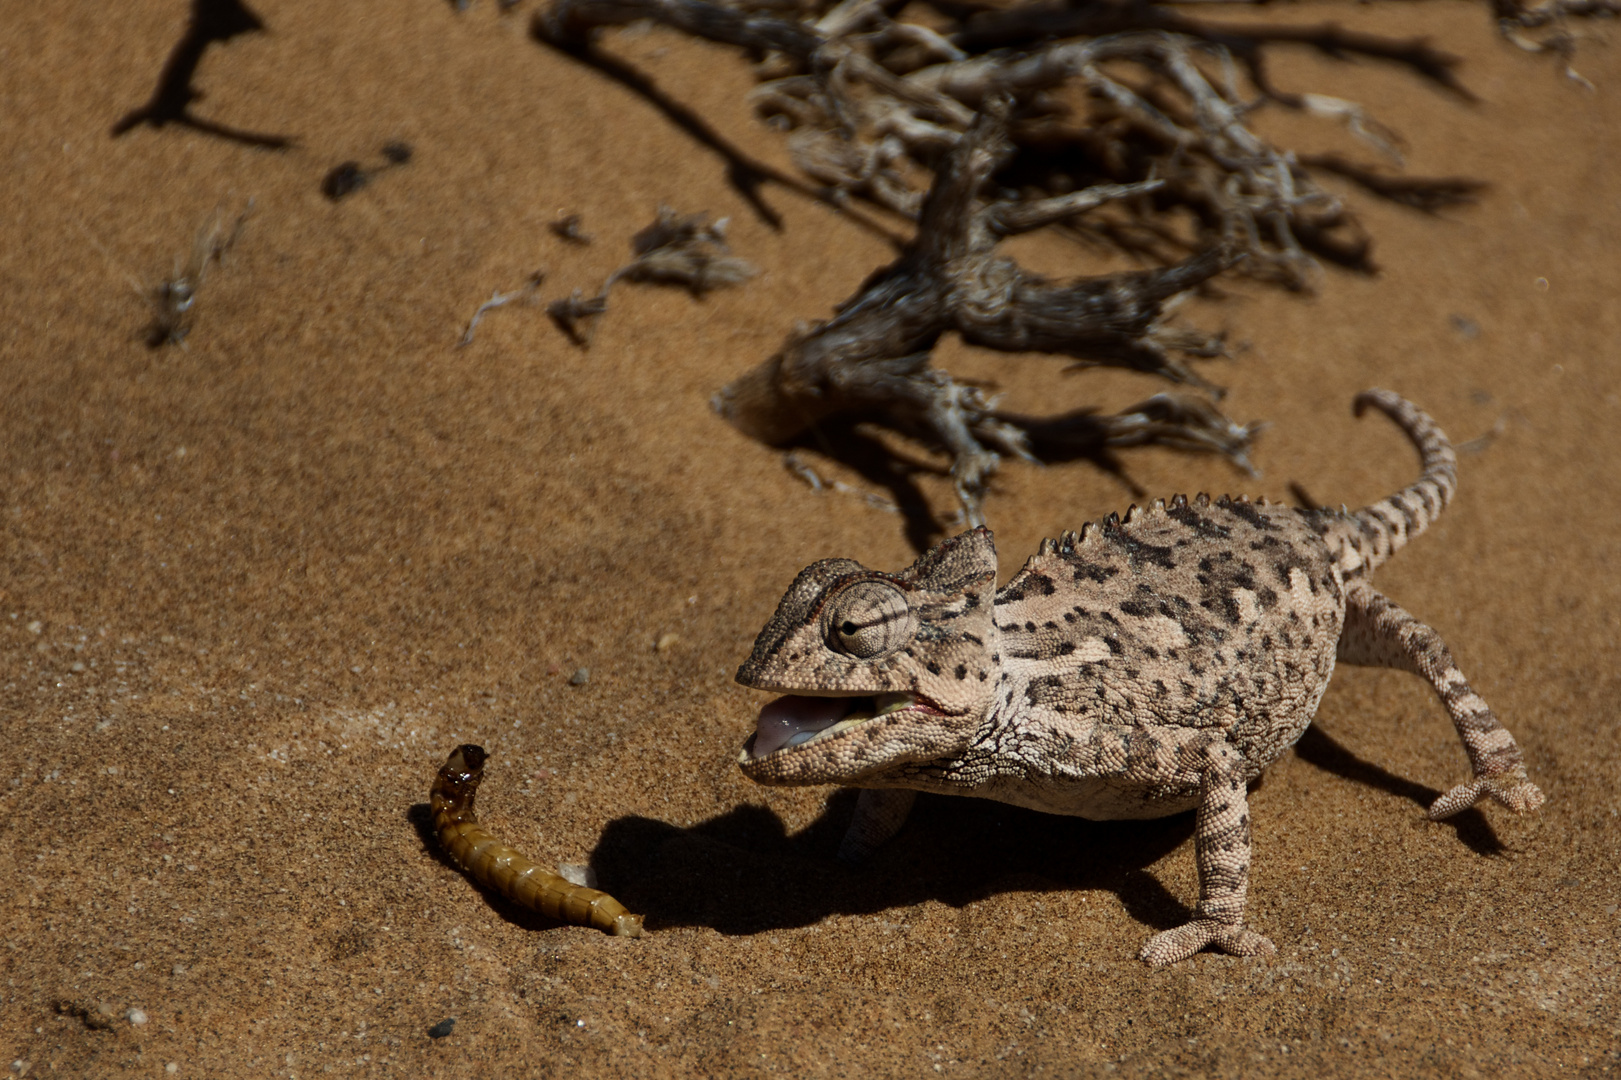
1378	633
1222	848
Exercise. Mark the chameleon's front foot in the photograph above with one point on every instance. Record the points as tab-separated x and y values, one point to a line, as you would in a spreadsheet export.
1511	787
1174	946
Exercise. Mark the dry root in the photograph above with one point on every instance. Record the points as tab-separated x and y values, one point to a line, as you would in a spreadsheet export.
872	358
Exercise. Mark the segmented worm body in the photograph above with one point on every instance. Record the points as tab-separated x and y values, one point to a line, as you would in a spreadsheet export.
498	866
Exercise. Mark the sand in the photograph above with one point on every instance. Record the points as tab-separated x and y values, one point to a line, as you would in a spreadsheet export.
256	588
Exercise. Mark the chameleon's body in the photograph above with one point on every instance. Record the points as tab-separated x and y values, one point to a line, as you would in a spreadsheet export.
1140	668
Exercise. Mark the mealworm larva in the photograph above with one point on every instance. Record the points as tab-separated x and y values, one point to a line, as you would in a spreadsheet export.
498	866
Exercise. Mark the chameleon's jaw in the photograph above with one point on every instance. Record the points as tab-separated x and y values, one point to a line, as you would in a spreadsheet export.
810	740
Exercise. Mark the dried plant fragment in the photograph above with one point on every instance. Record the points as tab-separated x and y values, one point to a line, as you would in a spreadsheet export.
349	177
570	311
568	228
502	869
686	250
173	300
872	357
522	294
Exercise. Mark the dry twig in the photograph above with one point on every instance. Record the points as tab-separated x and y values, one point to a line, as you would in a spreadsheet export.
872	358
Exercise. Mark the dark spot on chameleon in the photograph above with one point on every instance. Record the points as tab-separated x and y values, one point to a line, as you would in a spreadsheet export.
1133	673
1206	565
1138	608
1196	669
1187	688
1234	783
1069	616
1288	639
1306	641
1030	627
1047	586
1161	688
996	658
934	668
971	637
1064	648
1251	515
1244	821
1151	652
962	671
1114	645
1266	597
1094	572
970	602
1108	616
1294	617
982	676
1050	625
1171	654
908	651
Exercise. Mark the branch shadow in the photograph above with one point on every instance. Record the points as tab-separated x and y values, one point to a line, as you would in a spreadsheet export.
741	873
212	22
745	174
1320	749
842	439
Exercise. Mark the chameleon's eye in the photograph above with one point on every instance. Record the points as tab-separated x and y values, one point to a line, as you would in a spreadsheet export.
868	618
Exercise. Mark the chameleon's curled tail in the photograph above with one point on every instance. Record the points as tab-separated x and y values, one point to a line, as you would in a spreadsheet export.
503	869
1363	539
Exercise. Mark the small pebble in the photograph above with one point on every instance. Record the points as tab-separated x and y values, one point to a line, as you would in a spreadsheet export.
442	1028
172	1067
136	1017
667	642
580	677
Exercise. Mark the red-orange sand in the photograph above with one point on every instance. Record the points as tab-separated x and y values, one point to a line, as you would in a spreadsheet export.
255	589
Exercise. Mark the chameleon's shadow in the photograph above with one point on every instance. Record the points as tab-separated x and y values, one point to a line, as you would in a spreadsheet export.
741	873
1321	750
420	815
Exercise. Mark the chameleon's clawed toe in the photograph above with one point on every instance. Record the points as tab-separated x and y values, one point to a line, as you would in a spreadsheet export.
1174	946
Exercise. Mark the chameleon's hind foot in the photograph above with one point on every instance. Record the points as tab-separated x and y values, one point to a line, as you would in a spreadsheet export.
1174	946
1511	788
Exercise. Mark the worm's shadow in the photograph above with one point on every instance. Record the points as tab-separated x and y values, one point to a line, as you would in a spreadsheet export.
1321	750
212	22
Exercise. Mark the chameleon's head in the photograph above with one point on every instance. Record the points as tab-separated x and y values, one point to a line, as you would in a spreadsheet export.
882	670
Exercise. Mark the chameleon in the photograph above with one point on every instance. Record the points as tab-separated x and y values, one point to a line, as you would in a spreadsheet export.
1142	667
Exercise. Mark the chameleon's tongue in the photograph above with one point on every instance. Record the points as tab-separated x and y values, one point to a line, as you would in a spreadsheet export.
792	718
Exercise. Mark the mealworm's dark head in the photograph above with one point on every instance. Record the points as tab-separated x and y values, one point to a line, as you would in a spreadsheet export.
467	759
459	777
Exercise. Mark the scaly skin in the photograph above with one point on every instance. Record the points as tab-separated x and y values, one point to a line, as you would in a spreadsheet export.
1140	668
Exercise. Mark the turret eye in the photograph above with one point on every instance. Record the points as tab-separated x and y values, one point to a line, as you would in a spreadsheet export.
869	618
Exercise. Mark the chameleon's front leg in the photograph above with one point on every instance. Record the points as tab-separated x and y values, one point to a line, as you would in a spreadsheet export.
880	813
1222	846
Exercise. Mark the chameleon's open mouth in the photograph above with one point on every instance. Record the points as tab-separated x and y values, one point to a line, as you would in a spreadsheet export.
795	720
